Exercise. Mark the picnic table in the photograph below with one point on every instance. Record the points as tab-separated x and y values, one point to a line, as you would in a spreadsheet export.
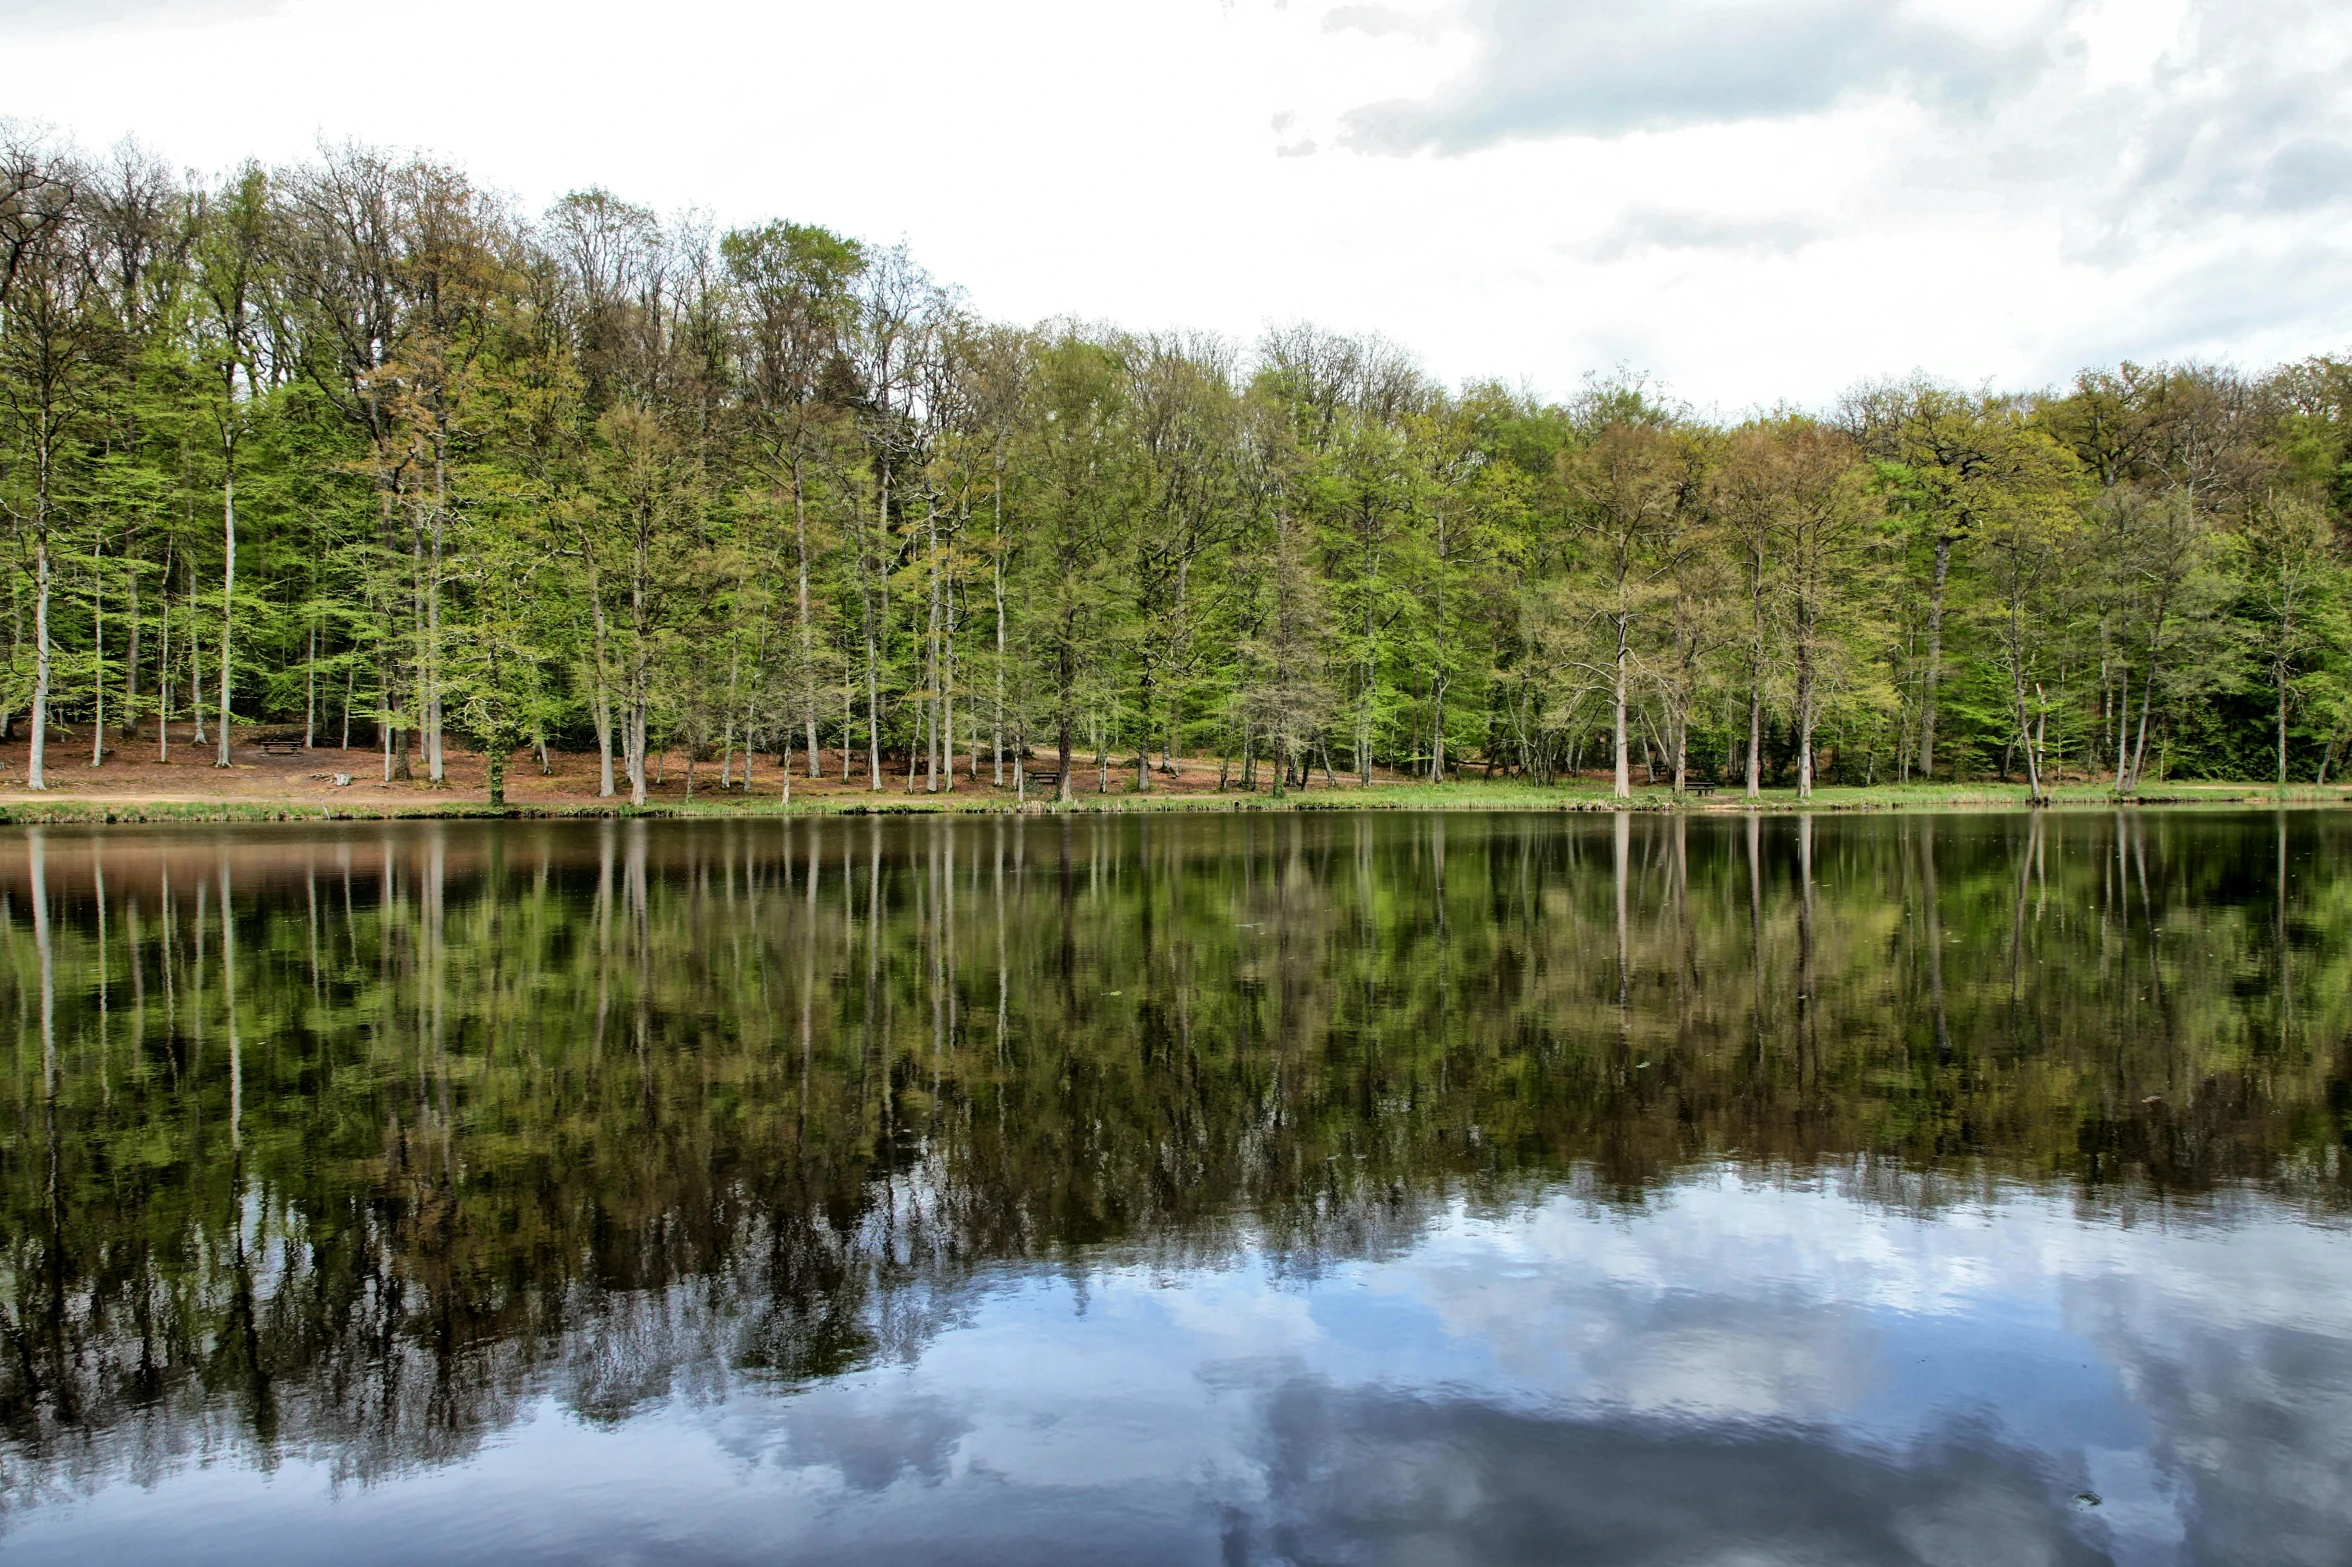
279	745
1043	777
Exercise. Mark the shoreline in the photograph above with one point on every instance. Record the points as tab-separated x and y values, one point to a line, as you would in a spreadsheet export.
67	808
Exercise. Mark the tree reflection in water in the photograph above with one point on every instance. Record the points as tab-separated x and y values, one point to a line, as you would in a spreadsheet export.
348	1144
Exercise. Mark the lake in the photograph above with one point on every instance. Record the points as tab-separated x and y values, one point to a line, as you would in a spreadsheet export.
1308	1188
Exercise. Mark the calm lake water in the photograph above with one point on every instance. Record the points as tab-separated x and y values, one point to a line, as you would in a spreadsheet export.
1303	1188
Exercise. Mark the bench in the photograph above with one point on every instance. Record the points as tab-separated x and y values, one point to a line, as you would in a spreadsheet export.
281	747
1702	787
1043	777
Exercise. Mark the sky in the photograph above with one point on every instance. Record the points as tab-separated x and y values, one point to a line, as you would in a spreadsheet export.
1749	202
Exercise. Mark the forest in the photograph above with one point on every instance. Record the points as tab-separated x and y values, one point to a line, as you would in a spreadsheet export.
360	450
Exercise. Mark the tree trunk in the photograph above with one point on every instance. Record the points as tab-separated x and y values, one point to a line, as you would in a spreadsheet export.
435	771
873	716
130	714
870	591
808	655
932	667
1067	671
2279	671
997	721
1805	644
637	739
2139	756
1935	655
1623	787
310	694
603	702
2123	728
97	651
163	683
35	778
228	585
195	661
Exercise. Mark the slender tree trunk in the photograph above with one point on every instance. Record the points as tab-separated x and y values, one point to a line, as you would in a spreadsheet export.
2139	754
1935	655
808	654
35	776
1623	787
934	672
130	713
1755	767
2279	674
1143	739
195	660
163	665
2123	728
996	731
414	668
435	771
637	736
1439	684
1068	678
871	590
943	675
603	694
873	714
1807	631
2140	745
98	651
228	585
2042	730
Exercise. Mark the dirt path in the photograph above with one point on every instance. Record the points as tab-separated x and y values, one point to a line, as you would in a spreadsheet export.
132	775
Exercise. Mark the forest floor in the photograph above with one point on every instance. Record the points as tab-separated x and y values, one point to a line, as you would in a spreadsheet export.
133	784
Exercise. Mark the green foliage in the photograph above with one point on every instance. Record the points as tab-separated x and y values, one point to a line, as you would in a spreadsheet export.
600	481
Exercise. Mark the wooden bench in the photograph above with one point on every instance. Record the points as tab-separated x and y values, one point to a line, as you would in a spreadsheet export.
281	747
1043	777
1702	787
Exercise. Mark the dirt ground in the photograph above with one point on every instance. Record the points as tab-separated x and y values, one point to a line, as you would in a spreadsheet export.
133	773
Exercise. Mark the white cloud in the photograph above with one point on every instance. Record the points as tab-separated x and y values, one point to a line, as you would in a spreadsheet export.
1752	199
1594	67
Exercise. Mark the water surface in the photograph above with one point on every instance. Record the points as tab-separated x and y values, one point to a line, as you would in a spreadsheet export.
1305	1188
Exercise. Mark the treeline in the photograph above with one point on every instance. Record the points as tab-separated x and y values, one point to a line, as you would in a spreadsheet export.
354	447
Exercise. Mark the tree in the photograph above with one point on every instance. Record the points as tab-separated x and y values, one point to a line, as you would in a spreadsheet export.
2028	528
1628	491
795	283
229	256
1078	447
54	341
2294	581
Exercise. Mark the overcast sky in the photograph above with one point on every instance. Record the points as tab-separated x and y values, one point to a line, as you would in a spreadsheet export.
1751	200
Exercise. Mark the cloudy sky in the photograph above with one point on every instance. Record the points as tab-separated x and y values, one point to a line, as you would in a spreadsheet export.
1751	200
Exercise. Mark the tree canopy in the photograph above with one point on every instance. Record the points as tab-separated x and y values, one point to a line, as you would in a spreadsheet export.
358	447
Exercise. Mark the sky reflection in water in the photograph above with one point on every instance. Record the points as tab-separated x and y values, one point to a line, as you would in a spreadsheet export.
1484	1268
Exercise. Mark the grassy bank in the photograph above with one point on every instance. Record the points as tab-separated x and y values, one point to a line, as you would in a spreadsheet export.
1469	795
